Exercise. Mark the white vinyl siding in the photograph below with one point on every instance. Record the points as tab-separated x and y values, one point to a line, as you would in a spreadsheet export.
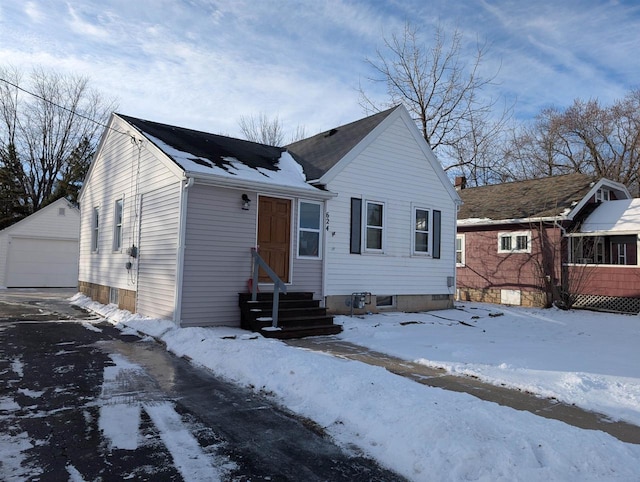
114	175
391	170
217	258
158	252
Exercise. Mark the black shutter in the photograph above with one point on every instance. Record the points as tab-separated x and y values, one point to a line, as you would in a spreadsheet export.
437	215
356	225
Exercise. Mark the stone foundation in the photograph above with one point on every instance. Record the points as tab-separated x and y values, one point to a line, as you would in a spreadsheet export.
341	304
100	293
533	299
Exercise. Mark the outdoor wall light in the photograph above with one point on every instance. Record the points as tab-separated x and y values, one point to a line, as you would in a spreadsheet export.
246	202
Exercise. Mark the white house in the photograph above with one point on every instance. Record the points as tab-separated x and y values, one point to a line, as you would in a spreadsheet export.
390	231
41	251
170	217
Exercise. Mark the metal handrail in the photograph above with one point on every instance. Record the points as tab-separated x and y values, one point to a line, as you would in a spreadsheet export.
278	284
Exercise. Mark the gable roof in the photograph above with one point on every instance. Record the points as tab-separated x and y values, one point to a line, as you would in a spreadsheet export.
33	217
302	165
319	153
522	200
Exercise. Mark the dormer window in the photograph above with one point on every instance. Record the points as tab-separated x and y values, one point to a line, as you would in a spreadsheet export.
603	194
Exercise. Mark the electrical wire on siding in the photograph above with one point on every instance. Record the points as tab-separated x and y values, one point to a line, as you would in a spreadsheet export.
134	188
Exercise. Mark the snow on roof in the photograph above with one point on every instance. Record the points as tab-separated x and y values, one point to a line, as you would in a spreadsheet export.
618	217
472	221
288	173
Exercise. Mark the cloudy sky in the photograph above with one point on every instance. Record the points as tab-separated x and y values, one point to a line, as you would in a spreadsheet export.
204	63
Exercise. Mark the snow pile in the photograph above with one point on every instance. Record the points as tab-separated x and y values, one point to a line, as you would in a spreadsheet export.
427	433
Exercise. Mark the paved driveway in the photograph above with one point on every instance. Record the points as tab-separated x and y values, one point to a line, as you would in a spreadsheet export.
81	401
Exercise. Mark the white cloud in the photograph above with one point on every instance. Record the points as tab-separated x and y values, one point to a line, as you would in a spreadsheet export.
84	27
203	64
33	12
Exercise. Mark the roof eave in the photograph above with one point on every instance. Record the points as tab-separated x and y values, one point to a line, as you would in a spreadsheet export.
226	182
494	222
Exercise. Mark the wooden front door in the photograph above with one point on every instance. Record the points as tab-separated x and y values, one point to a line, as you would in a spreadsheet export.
274	236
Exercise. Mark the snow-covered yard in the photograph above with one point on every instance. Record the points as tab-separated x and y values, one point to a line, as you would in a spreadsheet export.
423	433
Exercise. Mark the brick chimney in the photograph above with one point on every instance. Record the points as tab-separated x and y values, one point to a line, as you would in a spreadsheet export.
460	183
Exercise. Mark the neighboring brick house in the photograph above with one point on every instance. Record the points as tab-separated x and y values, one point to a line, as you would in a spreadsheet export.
514	239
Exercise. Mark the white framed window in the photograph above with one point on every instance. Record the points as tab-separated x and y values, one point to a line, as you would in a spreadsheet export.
95	229
460	250
514	242
309	229
374	226
117	225
603	194
421	231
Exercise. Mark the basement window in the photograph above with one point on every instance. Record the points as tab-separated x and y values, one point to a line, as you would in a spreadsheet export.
385	301
114	296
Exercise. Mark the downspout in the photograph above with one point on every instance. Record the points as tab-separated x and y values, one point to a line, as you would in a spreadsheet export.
182	234
455	264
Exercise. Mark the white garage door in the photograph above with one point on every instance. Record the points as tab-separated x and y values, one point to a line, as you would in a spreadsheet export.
42	263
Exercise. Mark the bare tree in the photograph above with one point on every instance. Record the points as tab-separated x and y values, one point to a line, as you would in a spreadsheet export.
49	127
262	129
267	130
478	153
441	91
587	137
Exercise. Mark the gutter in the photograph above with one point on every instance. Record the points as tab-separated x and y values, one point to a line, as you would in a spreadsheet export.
262	187
601	233
493	222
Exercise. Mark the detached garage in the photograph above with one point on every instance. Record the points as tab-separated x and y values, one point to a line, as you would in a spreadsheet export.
41	251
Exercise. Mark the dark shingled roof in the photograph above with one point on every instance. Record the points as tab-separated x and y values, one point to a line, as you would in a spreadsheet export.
210	146
321	152
535	198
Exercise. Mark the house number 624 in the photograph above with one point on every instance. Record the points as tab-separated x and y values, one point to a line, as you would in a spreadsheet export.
326	221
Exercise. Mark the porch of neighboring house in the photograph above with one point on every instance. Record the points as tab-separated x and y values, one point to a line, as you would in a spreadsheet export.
604	272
